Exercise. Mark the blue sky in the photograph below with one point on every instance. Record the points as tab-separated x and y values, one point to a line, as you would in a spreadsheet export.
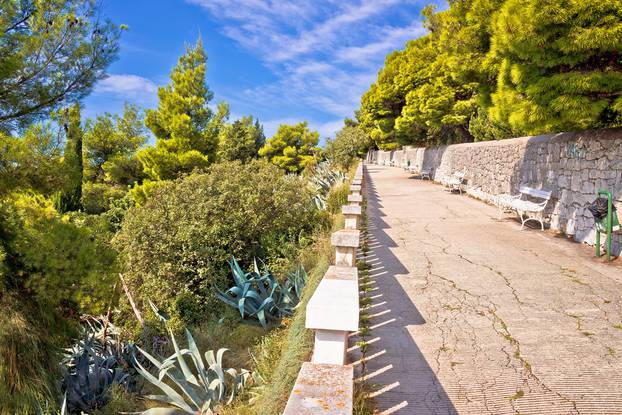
280	61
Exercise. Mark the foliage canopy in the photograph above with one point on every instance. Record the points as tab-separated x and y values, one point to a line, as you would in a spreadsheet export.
492	69
51	52
292	148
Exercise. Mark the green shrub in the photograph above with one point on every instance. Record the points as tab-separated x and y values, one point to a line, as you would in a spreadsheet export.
175	247
350	143
57	263
51	270
280	354
337	197
97	197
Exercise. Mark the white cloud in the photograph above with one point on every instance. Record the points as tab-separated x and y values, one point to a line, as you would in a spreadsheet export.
324	53
129	87
393	38
328	129
270	127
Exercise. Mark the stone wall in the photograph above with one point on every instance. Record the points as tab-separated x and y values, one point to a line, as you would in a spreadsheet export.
571	165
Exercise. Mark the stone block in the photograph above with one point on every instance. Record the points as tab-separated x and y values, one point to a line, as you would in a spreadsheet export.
346	238
351	214
345	242
355	188
342	273
334	305
351	210
322	389
355	199
330	347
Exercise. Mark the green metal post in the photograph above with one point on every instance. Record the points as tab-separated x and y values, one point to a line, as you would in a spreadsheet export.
609	224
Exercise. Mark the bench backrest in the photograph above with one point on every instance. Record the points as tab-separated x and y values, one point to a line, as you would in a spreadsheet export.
459	175
541	194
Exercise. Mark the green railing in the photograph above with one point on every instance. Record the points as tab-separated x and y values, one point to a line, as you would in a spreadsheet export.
607	225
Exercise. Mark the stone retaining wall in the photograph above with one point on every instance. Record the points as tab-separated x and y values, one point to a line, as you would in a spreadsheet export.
571	165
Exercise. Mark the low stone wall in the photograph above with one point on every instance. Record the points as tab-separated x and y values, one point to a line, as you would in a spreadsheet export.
571	165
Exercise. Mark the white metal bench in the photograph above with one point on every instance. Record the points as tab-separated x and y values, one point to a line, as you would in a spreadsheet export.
455	182
423	173
521	204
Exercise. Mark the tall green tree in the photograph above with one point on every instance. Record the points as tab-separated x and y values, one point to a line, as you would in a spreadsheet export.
560	65
71	123
292	148
185	127
110	146
241	140
51	52
33	161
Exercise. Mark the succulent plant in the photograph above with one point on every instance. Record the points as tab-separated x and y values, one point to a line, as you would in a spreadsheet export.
323	179
197	390
260	295
94	364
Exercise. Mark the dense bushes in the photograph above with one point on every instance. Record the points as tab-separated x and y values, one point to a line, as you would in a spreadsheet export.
492	69
51	271
349	145
176	245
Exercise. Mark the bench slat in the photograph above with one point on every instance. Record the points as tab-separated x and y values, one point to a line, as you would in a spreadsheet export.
542	194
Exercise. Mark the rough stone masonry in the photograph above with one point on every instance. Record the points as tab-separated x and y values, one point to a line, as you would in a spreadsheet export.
571	165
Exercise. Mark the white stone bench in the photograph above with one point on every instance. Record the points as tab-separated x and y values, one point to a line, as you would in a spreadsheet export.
322	389
523	206
454	182
333	312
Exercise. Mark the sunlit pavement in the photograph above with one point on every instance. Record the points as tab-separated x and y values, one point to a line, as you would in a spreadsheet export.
470	315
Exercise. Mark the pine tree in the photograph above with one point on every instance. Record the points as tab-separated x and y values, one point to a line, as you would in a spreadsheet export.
241	140
51	52
185	127
292	148
560	65
69	198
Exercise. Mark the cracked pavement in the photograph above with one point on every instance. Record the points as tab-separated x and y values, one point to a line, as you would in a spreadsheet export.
470	315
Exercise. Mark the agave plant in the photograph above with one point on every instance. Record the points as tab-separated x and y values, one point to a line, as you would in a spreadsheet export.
197	390
260	295
94	364
323	179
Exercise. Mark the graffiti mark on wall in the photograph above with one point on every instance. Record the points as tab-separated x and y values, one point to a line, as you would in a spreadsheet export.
573	152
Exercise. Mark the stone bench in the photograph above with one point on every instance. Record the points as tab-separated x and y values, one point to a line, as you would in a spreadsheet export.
322	389
333	312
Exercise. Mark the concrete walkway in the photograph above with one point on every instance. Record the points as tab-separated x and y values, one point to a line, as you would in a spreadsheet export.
472	316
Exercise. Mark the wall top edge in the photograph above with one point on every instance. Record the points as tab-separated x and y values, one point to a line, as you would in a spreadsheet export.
601	134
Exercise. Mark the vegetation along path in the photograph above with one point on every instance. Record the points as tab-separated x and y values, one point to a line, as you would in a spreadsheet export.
470	315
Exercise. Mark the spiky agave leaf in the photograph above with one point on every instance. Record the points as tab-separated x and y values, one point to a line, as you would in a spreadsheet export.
192	391
261	296
94	364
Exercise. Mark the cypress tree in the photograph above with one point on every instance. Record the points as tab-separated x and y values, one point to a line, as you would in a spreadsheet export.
69	199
